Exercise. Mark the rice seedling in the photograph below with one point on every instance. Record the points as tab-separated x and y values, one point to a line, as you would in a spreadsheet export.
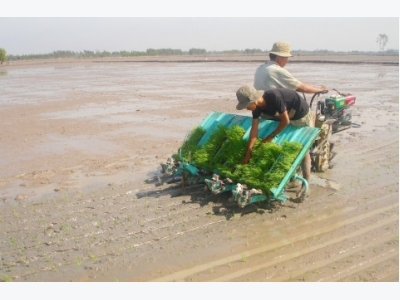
47	257
303	277
5	278
13	241
224	149
66	228
190	144
53	267
93	257
67	197
204	156
78	261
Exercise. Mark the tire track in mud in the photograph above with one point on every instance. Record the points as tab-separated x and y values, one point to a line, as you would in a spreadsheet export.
289	241
307	254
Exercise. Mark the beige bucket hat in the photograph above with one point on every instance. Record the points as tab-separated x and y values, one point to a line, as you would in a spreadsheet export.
247	94
281	49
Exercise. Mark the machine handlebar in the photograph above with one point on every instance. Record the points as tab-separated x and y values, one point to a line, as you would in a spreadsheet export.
317	94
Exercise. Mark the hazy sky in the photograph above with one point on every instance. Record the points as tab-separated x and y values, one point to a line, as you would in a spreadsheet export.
24	33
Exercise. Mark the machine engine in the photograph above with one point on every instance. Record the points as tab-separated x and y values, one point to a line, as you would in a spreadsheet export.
338	108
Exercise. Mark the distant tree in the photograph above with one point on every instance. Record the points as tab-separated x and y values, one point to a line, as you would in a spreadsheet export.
88	53
3	55
252	51
382	40
163	51
197	51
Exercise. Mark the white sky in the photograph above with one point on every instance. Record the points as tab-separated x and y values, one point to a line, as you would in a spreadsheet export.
25	28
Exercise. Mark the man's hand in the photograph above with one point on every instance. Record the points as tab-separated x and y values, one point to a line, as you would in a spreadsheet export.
246	158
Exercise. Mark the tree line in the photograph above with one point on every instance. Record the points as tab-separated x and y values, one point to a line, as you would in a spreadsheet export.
166	52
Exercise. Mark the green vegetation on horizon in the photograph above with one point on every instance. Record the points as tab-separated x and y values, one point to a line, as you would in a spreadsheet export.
381	40
3	55
177	52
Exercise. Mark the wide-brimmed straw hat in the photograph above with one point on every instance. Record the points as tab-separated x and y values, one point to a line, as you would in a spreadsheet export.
246	95
281	49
